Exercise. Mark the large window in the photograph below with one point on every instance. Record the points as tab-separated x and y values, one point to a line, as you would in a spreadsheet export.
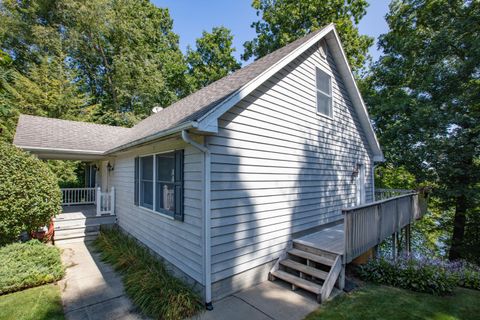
159	183
324	93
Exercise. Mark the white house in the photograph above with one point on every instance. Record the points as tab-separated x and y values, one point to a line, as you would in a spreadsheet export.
222	181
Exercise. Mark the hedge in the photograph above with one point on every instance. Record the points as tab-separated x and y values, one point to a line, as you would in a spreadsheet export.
29	193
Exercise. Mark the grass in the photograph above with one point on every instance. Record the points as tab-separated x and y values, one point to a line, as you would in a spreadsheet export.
30	264
382	302
147	281
32	304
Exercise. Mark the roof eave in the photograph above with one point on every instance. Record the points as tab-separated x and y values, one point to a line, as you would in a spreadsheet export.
63	154
155	136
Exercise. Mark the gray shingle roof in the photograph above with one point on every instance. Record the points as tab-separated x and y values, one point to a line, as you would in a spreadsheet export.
49	133
200	102
39	132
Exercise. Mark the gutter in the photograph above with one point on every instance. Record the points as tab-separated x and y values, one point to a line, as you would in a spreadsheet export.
206	203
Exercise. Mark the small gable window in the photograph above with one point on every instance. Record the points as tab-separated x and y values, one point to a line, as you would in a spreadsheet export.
324	93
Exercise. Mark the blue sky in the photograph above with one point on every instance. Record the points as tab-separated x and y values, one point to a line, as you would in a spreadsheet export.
191	17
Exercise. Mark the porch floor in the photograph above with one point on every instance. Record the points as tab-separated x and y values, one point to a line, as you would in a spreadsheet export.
77	212
329	239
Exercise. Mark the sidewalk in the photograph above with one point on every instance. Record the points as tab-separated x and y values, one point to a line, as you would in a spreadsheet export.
91	289
266	301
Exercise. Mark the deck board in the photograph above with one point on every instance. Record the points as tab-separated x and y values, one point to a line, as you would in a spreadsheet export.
330	239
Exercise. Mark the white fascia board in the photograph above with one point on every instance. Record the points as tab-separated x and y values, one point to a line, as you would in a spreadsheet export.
60	150
208	122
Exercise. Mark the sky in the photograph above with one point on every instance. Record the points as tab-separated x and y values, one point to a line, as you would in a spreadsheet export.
191	17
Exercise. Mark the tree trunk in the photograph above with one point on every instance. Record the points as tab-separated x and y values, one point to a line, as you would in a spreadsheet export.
458	228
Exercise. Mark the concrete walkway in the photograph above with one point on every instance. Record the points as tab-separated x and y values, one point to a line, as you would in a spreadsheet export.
91	289
266	301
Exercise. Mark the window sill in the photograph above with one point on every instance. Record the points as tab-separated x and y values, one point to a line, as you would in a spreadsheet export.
324	116
158	213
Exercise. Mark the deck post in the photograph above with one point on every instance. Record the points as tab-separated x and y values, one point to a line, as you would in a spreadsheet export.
341	279
394	246
112	201
408	238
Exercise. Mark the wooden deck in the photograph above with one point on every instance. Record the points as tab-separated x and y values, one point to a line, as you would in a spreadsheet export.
77	212
366	226
330	240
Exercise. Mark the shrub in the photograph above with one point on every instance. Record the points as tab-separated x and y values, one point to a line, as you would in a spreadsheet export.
29	194
422	275
28	264
148	282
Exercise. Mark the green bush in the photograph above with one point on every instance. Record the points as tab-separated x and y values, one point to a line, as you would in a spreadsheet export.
29	264
29	193
422	275
148	282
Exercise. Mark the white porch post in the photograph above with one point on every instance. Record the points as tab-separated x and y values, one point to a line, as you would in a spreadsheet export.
112	202
98	200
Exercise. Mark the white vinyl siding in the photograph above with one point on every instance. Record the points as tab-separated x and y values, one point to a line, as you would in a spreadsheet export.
181	243
279	167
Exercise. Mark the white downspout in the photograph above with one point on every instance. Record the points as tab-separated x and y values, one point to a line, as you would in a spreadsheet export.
206	204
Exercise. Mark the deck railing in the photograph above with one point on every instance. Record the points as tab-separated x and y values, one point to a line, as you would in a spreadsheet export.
74	196
382	194
367	225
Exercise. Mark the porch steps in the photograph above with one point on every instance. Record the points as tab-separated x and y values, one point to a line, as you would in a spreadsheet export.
77	227
310	269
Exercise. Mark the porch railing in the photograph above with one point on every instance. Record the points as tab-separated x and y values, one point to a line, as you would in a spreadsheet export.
367	225
73	196
103	200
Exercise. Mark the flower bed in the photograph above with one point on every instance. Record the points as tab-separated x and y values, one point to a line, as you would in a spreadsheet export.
421	274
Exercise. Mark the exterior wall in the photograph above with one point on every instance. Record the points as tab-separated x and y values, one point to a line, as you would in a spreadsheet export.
279	167
180	243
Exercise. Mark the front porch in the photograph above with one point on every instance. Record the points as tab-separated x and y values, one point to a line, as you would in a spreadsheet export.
84	211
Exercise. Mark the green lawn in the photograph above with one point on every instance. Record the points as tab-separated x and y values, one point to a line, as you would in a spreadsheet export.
381	302
40	303
27	265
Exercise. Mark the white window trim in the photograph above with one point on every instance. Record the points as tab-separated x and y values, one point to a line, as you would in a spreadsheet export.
327	72
154	181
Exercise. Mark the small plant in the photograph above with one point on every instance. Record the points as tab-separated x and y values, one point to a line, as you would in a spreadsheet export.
422	275
29	264
148	282
29	193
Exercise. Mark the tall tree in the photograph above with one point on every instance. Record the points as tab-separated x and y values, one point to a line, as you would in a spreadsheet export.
423	97
212	59
124	52
284	21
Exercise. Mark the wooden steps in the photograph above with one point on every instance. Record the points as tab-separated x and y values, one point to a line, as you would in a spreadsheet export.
312	270
297	281
77	227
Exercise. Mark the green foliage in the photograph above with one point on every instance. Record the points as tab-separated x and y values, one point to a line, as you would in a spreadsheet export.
408	273
389	177
423	101
32	304
29	264
70	174
147	281
284	21
29	193
213	58
374	302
